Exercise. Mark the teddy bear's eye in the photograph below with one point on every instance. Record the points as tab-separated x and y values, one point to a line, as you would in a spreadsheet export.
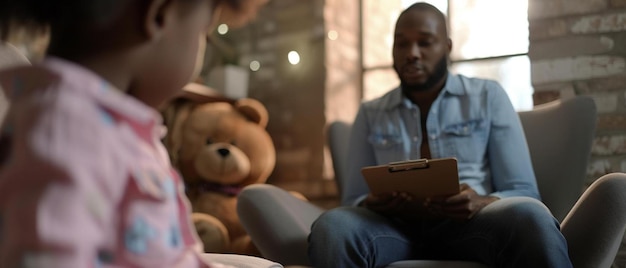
209	141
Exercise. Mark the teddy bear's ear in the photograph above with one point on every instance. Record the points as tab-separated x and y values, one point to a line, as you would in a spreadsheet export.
254	110
174	115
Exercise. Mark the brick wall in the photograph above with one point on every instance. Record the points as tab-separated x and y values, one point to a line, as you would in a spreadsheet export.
302	99
378	27
343	65
326	86
293	94
578	47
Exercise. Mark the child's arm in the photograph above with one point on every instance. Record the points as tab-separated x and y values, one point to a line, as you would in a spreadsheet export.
53	212
49	220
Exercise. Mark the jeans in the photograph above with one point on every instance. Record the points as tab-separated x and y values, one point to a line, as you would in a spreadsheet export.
511	232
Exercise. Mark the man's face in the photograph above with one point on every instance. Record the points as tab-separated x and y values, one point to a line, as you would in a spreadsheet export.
420	50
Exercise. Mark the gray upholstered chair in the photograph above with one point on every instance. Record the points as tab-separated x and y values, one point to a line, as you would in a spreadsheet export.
559	136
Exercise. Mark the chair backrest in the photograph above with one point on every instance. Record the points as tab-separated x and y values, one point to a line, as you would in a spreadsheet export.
559	136
338	139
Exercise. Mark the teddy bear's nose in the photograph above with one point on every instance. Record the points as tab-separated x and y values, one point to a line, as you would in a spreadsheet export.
223	152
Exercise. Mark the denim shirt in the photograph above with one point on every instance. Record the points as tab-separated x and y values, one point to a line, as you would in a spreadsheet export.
471	119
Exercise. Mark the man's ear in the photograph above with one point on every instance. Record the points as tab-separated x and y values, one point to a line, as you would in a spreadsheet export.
449	45
155	15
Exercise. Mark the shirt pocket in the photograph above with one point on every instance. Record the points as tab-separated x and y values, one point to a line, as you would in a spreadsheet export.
387	147
150	228
151	235
467	141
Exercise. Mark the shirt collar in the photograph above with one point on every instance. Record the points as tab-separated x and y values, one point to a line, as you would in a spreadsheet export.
64	75
453	86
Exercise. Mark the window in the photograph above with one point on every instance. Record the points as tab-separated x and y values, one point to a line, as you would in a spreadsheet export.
490	40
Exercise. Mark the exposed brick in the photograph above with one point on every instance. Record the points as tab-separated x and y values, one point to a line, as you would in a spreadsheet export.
609	145
291	164
571	7
549	92
600	23
618	3
578	47
599	167
548	28
570	46
575	68
539	9
604	23
604	84
605	102
541	97
342	87
557	86
281	26
611	122
315	189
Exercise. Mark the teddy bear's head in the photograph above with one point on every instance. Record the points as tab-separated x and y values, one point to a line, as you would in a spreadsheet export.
221	145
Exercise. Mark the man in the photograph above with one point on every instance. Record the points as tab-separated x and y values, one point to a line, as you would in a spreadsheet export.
496	218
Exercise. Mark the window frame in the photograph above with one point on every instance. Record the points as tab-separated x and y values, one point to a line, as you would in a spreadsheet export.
386	67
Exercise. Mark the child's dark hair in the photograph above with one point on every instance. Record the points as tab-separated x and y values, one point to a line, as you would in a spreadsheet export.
15	14
39	14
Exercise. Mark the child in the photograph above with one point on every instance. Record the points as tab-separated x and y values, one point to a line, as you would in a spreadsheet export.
87	182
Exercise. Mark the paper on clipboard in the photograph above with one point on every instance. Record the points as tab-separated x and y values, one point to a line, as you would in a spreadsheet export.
423	178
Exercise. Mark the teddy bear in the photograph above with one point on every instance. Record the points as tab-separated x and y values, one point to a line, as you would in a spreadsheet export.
219	145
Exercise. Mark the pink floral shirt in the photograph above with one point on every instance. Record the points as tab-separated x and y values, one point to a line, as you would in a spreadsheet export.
87	182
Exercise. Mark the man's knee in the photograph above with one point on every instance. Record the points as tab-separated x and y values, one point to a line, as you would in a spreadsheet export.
335	222
520	211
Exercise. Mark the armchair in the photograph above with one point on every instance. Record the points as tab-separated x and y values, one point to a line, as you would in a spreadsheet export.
559	136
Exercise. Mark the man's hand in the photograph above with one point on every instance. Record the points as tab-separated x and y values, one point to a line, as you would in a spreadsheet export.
397	204
462	206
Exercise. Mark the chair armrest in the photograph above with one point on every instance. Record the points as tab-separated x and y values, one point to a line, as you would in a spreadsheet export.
240	261
278	223
595	226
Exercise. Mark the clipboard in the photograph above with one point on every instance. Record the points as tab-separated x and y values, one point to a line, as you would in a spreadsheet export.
423	178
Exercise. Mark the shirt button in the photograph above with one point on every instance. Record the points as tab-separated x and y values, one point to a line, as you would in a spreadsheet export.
415	138
433	136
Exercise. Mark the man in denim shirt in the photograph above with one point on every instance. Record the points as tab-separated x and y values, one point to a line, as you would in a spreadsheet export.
496	219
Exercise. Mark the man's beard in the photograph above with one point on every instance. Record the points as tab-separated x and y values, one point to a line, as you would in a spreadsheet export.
440	71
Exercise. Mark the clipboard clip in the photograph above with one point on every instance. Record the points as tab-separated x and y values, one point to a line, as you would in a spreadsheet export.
408	165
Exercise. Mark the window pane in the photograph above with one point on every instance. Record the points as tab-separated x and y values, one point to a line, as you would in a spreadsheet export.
378	24
440	4
379	18
378	82
487	28
513	73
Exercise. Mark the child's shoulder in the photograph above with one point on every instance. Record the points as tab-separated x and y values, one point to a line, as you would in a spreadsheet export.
46	108
40	91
